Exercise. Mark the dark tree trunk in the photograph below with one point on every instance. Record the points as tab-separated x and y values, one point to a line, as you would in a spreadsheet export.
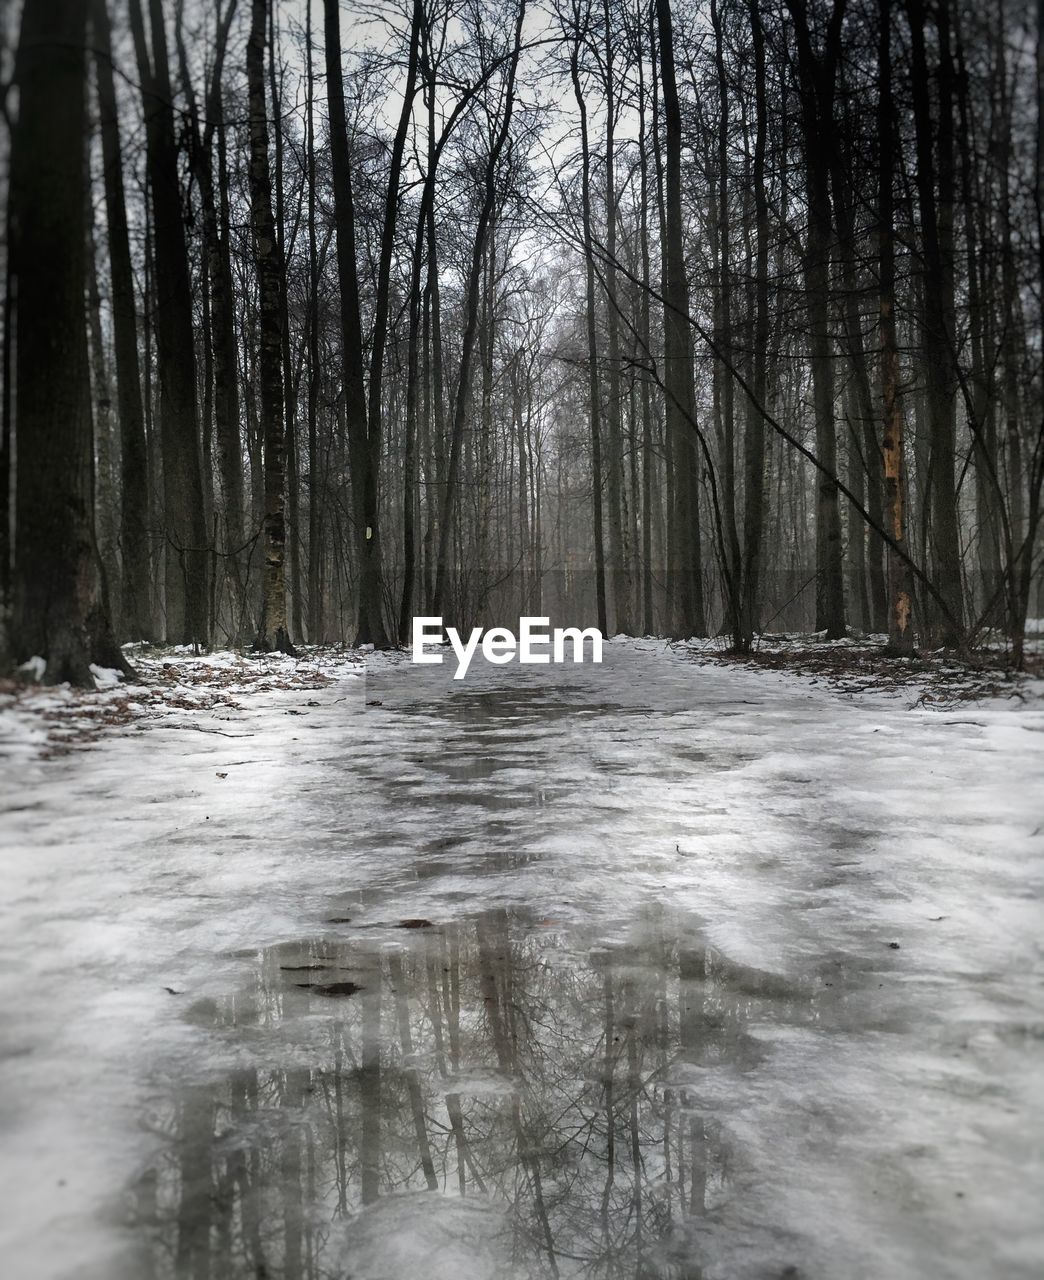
619	551
409	472
754	442
900	599
687	587
221	378
292	470
184	530
935	196
869	589
818	73
370	628
593	380
135	614
315	490
273	632
217	236
58	613
645	342
372	588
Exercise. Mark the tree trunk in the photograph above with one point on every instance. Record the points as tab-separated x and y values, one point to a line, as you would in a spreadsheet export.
470	322
370	629
57	604
645	341
105	490
724	383
619	550
409	474
817	78
223	385
937	319
273	633
900	606
687	589
371	589
868	586
185	532
593	381
754	439
135	614
292	477
315	514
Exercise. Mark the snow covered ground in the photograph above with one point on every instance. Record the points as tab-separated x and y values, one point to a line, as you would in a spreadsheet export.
671	969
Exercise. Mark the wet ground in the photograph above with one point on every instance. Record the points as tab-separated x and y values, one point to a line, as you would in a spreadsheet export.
647	970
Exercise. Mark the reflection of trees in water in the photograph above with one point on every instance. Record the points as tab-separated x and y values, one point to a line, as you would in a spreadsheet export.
481	1058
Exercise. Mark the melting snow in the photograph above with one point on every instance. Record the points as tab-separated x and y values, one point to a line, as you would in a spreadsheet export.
703	968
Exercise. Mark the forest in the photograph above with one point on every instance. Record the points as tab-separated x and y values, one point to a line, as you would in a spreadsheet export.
521	639
682	318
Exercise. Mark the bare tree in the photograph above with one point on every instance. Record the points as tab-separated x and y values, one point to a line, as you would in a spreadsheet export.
58	612
185	534
273	633
687	584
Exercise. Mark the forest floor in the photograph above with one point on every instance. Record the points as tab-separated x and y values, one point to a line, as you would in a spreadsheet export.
862	665
680	962
40	721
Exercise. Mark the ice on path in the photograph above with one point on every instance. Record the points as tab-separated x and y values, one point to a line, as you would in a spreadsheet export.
610	949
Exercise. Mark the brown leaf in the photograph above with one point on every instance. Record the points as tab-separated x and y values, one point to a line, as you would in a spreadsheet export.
331	988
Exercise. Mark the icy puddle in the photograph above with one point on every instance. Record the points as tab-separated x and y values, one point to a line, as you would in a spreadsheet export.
650	971
556	1082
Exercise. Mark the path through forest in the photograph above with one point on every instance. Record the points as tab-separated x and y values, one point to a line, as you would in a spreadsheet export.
674	970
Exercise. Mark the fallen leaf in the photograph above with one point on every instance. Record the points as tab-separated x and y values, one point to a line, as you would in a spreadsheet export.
331	988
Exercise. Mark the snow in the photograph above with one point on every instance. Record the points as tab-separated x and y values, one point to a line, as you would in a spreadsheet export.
716	859
35	667
104	677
